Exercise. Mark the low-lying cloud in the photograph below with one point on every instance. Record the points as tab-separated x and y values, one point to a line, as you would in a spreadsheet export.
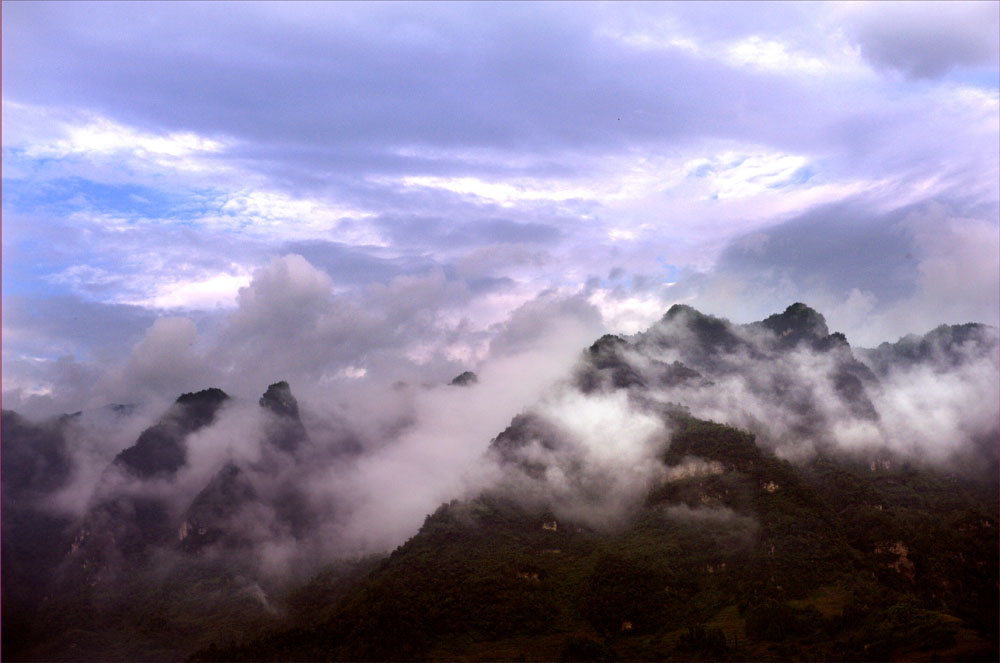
580	435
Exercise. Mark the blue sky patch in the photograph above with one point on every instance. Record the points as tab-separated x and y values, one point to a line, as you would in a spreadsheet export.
68	195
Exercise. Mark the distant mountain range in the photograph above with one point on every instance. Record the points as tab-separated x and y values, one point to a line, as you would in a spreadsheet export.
698	491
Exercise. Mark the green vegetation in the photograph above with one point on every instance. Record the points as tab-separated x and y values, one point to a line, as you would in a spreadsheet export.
762	561
731	553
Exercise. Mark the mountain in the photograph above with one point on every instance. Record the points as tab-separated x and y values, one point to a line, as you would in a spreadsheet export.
34	464
160	450
464	379
145	558
702	490
737	555
126	523
286	431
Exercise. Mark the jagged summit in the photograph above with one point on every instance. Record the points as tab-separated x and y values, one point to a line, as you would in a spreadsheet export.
210	395
714	334
617	517
796	324
160	449
287	432
279	399
687	353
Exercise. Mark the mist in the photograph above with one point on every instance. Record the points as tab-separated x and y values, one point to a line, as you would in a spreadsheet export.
228	505
579	434
237	296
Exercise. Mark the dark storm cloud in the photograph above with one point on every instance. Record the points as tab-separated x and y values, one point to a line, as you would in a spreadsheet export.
925	39
877	274
442	233
838	247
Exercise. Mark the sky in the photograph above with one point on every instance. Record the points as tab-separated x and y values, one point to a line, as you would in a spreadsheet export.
339	194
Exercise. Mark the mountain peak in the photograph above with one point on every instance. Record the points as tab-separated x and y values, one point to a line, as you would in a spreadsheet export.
210	395
161	449
680	309
279	399
464	379
798	322
287	431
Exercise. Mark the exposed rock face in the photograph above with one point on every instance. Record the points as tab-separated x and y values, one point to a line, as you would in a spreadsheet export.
899	561
207	519
688	352
221	511
278	399
287	432
125	521
161	450
797	324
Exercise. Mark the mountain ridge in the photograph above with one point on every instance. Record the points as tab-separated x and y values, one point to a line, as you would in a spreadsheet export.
778	502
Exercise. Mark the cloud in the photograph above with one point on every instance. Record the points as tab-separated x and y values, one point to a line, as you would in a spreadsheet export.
349	265
551	318
590	458
206	293
368	199
288	292
937	416
841	246
924	39
380	456
802	399
350	198
167	359
877	274
370	442
669	152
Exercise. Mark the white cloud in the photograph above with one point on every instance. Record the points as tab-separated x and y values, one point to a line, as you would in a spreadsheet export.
274	213
168	360
503	193
99	138
829	54
742	175
627	315
723	120
773	55
218	291
663	37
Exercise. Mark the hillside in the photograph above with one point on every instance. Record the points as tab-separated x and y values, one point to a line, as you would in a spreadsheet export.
737	556
698	491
